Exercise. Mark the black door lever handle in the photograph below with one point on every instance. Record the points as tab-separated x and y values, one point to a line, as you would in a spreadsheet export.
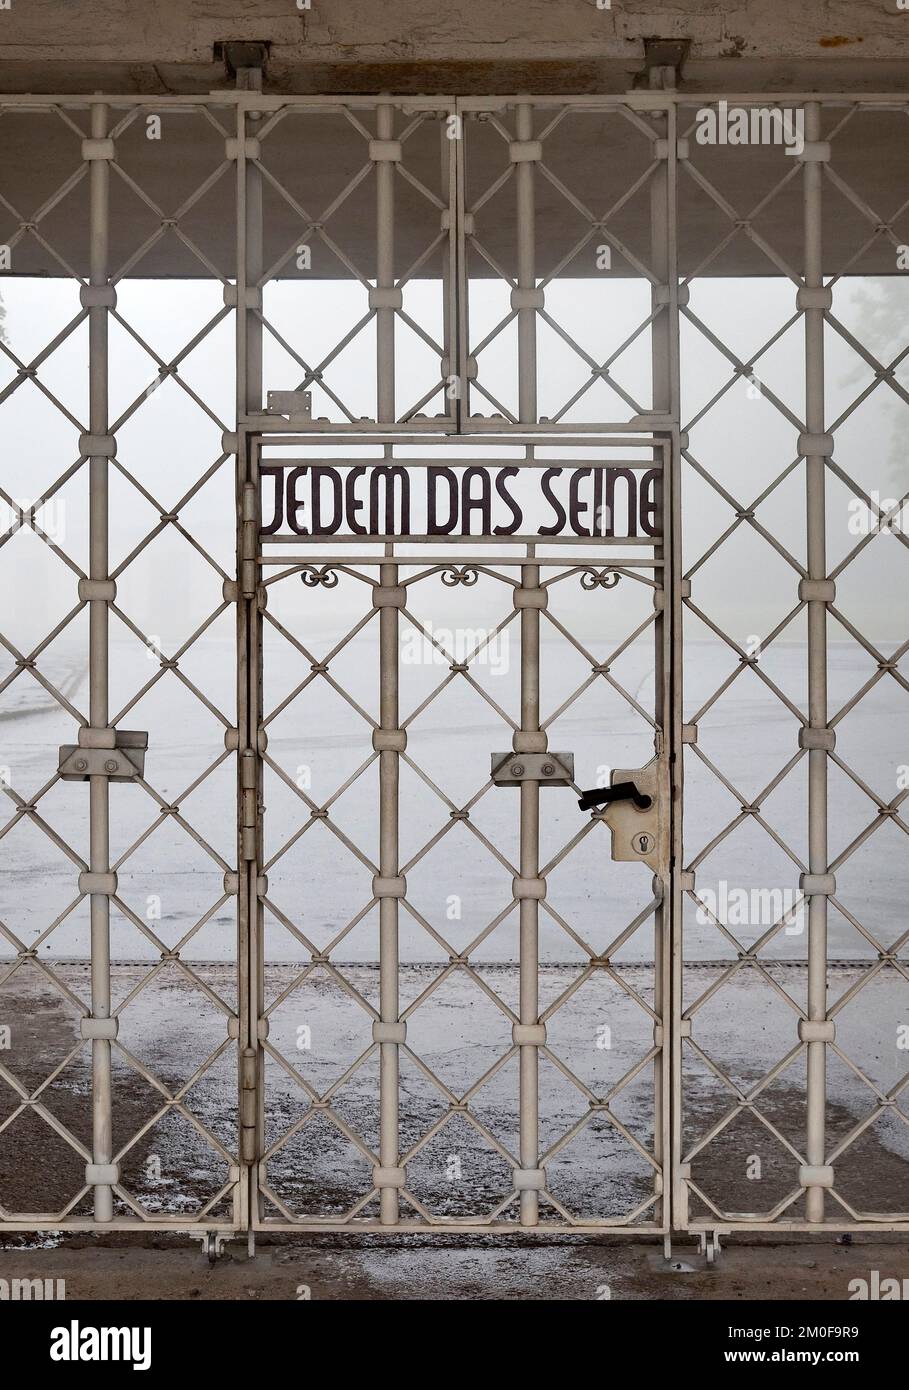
621	791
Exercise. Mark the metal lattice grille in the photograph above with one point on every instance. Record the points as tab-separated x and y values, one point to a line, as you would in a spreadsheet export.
522	185
108	875
519	275
810	955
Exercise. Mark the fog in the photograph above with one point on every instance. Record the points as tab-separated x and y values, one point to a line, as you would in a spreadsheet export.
167	439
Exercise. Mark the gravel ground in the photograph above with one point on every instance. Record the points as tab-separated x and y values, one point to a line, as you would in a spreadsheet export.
383	1269
174	1167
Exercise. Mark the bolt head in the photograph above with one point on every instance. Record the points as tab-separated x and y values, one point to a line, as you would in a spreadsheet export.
111	765
547	769
80	764
517	769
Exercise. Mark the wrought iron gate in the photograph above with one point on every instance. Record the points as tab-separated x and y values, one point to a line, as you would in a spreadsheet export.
392	1119
412	1126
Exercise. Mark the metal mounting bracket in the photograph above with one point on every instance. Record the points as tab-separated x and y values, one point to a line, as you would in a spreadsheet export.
295	405
709	1245
663	62
240	56
122	762
549	769
212	1242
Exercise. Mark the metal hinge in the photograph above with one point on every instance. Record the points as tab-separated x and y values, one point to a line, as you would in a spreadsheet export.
248	1066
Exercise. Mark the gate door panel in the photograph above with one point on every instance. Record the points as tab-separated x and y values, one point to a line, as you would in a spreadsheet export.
460	981
794	877
118	988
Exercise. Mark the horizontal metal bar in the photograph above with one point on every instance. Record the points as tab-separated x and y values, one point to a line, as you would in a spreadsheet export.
662	101
246	100
380	434
290	538
625	431
467	1227
884	1226
177	1225
841	98
400	461
462	558
258	101
47	101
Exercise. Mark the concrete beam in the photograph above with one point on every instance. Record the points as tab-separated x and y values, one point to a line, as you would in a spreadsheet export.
412	45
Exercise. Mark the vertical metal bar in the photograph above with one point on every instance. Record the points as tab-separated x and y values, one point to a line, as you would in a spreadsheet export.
526	258
99	802
660	337
529	908
254	373
449	360
246	1195
461	304
389	767
389	771
664	301
448	188
815	470
252	1056
250	1077
244	1204
672	525
385	269
254	261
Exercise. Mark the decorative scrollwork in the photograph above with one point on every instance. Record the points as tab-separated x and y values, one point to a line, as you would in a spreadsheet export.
314	575
462	574
600	579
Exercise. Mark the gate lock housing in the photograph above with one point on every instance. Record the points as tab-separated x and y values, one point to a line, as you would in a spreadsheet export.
633	808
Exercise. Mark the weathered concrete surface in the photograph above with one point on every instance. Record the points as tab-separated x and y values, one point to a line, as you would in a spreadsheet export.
425	45
398	1271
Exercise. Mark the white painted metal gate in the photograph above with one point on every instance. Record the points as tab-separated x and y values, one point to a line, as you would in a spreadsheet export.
431	1117
399	891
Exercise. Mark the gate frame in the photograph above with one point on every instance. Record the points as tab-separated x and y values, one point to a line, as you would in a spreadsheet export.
665	566
249	421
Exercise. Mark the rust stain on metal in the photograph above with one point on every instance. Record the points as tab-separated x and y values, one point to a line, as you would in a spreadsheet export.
838	40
